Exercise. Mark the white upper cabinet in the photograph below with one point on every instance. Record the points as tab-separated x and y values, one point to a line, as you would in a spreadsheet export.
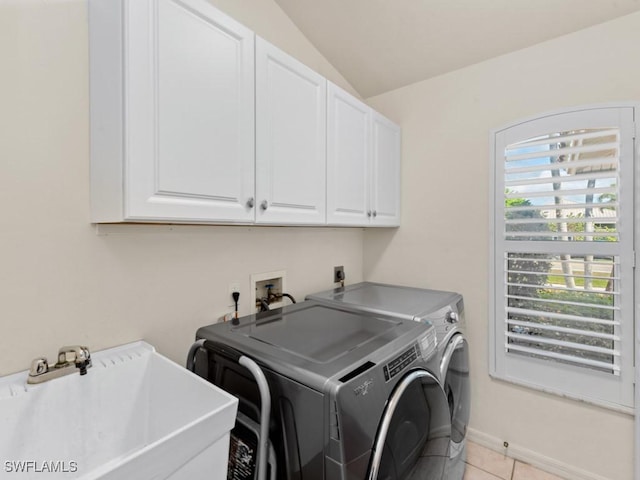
348	158
290	139
363	163
194	119
172	112
385	171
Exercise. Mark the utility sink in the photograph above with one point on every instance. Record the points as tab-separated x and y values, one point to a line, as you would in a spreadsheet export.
135	415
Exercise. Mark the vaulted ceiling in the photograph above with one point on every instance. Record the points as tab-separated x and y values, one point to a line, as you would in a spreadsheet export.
381	45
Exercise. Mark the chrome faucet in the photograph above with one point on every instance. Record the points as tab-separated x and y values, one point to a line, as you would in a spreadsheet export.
69	359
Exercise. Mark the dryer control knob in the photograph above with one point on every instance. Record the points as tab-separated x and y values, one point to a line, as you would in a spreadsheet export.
452	317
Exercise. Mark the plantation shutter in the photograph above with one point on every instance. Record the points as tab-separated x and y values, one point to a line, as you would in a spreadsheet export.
563	254
568	168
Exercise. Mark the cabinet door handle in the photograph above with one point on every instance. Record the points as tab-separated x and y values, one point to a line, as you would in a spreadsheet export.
374	214
250	203
368	213
264	205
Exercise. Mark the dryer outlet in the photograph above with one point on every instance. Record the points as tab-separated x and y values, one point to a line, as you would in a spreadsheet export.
269	286
338	274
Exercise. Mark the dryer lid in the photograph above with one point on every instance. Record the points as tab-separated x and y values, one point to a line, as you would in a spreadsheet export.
403	302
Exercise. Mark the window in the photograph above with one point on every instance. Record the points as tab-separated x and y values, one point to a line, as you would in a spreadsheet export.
562	259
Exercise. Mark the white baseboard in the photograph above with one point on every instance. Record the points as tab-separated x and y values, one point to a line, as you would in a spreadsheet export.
525	455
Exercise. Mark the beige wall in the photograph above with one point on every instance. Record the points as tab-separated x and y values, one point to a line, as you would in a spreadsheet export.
269	21
60	281
443	240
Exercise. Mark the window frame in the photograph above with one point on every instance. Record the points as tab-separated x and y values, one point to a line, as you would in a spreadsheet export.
545	375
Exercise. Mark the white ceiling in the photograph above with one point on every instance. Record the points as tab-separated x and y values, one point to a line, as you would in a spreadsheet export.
381	45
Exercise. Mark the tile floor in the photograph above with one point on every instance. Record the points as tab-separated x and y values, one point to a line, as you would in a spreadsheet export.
486	464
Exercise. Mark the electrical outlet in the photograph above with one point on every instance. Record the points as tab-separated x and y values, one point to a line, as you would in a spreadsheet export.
338	274
233	287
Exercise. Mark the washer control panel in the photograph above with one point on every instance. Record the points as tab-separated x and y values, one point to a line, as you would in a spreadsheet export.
399	363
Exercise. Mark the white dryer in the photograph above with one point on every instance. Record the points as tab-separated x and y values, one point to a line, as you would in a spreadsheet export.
445	310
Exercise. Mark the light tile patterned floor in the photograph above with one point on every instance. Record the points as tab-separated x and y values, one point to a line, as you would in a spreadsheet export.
485	464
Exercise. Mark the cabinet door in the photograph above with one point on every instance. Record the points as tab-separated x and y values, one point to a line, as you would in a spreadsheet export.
385	171
189	106
348	151
290	139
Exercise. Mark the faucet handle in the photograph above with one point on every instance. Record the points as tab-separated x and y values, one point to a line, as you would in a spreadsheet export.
38	366
74	353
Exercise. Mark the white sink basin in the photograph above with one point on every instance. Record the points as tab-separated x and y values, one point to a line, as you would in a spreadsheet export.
135	415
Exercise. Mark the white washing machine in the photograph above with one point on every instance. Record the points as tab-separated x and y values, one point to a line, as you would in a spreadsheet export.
445	310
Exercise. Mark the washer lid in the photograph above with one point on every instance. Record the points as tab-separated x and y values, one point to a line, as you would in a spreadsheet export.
312	343
403	302
316	333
